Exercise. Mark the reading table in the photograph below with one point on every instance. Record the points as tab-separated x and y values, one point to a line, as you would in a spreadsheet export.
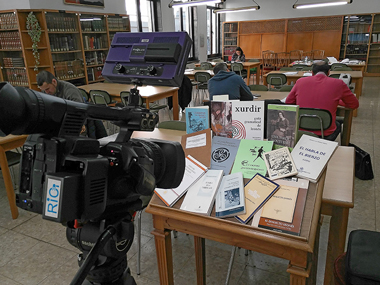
149	93
8	143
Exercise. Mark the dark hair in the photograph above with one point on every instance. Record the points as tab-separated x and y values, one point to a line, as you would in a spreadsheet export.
219	67
239	49
45	76
321	66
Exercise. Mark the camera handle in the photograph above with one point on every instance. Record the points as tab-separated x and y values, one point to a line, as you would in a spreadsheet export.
92	258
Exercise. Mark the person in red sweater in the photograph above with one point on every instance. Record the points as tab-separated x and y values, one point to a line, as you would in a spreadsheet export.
323	92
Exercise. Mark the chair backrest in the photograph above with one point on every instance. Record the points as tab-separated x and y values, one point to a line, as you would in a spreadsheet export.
342	68
85	95
269	58
173	125
314	119
288	69
286	88
237	66
206	65
295	54
337	65
307	68
318	54
217	60
100	97
299	66
202	77
277	80
282	59
258	87
336	75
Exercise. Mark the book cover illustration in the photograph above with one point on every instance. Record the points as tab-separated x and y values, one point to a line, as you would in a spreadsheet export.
311	155
229	199
201	195
279	163
223	153
194	170
281	205
238	119
293	227
257	191
197	119
282	124
250	158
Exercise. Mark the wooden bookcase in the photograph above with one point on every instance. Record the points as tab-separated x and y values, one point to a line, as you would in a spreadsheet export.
373	60
230	39
73	45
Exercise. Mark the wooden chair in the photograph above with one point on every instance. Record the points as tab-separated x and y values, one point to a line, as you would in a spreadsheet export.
295	55
269	61
318	54
308	54
282	60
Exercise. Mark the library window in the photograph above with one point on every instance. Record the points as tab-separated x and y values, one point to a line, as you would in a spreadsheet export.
213	32
140	15
184	22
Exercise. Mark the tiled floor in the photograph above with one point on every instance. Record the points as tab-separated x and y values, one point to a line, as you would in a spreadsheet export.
35	251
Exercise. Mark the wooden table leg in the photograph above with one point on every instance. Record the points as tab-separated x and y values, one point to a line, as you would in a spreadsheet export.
164	256
175	105
258	74
200	259
298	275
337	240
248	75
8	183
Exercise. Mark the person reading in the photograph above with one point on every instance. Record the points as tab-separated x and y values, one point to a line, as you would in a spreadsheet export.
323	92
226	82
238	55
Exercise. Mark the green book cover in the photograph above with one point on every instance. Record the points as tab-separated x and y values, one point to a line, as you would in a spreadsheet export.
250	157
282	124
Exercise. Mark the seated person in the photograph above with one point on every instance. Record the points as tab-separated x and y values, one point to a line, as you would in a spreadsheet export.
323	92
238	55
226	82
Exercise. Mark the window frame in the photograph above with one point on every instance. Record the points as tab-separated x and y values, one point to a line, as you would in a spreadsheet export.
218	53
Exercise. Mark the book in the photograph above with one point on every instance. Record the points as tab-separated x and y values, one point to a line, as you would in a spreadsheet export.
281	205
223	153
197	119
238	119
229	199
257	192
311	155
282	124
198	145
294	227
279	163
250	158
194	170
201	195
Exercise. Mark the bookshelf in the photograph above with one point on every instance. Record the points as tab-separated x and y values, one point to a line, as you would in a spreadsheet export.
230	39
373	62
72	45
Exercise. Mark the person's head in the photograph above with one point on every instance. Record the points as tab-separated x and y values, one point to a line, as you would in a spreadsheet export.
47	82
239	51
220	66
280	115
321	66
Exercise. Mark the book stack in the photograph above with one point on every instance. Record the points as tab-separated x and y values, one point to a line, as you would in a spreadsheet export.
16	76
62	43
68	69
118	24
60	23
10	40
8	21
95	42
13	62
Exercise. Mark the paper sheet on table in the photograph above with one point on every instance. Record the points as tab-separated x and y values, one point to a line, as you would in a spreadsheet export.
308	74
290	73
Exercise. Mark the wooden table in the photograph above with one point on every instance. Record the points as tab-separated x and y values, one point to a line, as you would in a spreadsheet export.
191	72
338	198
8	143
149	93
247	65
353	66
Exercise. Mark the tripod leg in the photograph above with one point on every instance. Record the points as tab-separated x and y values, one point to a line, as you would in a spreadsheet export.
138	217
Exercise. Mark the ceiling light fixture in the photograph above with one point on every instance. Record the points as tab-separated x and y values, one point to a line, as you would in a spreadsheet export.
193	3
323	4
237	9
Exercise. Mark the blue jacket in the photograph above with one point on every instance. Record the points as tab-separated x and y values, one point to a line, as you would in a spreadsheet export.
229	83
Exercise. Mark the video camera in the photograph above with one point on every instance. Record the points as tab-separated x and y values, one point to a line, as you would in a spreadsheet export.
90	189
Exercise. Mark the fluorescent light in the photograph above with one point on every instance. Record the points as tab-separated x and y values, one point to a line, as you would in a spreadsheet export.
193	3
239	9
90	19
324	4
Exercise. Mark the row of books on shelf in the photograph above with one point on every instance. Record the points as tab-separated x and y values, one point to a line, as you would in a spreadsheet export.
230	41
274	196
68	69
60	23
375	38
118	24
93	25
10	40
358	38
94	73
8	21
63	43
95	42
95	58
13	62
16	76
229	51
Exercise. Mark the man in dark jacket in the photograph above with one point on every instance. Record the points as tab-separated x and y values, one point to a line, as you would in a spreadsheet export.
226	82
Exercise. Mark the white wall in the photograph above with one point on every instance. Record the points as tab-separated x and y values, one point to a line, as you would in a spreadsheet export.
110	6
167	17
277	9
19	4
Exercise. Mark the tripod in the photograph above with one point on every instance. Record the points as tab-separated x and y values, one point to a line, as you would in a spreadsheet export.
103	260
